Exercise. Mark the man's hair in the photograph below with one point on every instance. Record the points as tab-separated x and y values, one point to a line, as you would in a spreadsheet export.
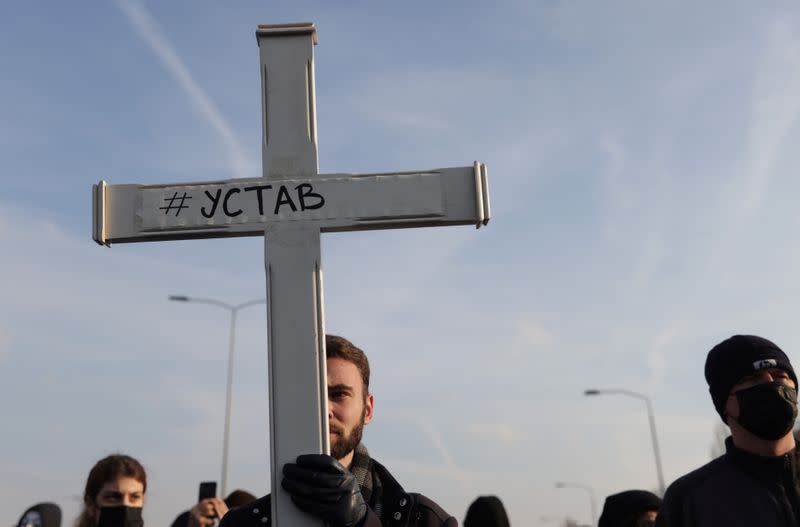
486	511
340	348
238	497
108	469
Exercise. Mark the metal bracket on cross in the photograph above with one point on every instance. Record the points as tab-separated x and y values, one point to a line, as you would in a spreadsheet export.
290	205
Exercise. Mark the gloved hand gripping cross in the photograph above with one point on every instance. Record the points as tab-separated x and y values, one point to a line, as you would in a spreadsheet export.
322	487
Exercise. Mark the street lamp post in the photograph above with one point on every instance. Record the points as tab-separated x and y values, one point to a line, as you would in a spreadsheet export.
652	419
589	490
234	309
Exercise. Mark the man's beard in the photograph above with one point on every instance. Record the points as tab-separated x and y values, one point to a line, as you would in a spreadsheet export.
347	443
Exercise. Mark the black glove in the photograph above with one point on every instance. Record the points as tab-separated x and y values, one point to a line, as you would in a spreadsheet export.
321	486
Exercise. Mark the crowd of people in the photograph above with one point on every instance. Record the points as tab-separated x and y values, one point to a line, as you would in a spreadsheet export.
756	482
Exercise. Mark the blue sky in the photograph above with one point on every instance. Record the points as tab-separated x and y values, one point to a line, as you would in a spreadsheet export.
643	179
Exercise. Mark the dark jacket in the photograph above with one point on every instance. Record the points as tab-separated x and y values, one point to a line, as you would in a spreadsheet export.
400	509
736	489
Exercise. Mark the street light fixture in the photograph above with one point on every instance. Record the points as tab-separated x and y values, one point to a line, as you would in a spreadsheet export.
234	309
589	490
651	418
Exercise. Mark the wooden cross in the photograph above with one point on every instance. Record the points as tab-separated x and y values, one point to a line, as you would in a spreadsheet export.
290	206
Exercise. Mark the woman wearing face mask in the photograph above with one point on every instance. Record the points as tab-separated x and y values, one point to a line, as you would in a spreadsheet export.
114	493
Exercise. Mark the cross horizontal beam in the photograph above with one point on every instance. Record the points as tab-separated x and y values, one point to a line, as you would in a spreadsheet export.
330	202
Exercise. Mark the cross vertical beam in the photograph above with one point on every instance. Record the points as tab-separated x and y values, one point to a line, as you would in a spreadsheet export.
298	413
289	120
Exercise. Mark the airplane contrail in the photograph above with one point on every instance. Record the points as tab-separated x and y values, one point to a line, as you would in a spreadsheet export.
147	28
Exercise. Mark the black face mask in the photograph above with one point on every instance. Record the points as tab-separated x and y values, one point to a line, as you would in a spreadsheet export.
767	410
120	516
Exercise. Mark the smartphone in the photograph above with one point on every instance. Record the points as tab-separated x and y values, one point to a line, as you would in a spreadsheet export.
208	489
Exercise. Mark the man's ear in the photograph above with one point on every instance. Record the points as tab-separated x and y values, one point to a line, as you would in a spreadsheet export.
369	406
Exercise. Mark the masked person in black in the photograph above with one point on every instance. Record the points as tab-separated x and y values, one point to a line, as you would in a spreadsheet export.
755	483
114	493
347	488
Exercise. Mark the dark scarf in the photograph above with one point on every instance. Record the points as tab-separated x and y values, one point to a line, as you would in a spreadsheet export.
368	480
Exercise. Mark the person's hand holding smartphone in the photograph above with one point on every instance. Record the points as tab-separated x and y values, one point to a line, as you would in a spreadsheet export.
209	508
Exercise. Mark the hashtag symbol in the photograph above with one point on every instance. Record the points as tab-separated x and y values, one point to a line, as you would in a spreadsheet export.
171	204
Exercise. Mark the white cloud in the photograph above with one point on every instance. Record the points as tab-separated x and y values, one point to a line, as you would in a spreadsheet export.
435	441
617	159
448	110
492	433
447	473
5	344
656	359
775	108
147	28
531	337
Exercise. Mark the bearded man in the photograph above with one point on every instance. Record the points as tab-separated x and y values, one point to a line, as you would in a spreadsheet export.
347	488
755	483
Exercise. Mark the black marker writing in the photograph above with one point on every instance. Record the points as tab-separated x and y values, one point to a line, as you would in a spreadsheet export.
305	190
306	199
214	203
284	199
228	195
259	190
171	205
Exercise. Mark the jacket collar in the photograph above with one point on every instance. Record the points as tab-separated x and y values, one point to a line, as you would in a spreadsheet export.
397	503
769	469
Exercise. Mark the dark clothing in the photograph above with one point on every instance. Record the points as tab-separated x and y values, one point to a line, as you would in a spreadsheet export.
736	489
182	520
486	511
237	498
42	514
625	508
395	508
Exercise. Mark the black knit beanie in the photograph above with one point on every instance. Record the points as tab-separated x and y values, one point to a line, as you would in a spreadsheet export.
737	357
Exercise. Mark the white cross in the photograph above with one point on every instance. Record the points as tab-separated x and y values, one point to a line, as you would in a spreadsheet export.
290	206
